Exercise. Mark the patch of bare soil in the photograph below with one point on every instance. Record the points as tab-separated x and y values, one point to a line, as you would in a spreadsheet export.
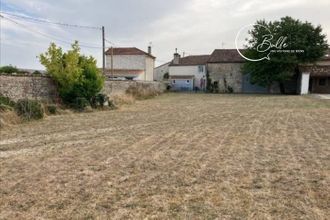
178	156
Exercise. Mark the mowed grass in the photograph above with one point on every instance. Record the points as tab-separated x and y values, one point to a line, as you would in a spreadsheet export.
178	156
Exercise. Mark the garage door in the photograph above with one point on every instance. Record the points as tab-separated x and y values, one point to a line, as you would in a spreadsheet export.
182	84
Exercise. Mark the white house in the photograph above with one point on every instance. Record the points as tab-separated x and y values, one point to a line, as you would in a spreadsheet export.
130	63
160	71
188	73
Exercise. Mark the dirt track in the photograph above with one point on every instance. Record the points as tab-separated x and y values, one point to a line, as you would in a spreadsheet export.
184	156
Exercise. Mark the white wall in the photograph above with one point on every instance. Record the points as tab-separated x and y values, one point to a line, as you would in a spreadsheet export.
135	62
304	83
188	70
149	69
160	71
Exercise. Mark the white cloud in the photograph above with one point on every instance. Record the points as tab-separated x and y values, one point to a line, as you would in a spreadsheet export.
193	26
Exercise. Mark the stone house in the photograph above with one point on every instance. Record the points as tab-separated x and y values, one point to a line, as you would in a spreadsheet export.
188	73
224	70
315	78
130	63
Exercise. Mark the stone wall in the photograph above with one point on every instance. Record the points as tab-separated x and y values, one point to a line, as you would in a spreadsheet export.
33	87
44	89
112	88
226	73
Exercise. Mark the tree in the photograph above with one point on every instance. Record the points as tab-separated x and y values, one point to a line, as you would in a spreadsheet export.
288	43
77	76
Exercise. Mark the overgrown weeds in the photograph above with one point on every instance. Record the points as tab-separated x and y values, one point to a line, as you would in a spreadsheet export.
29	109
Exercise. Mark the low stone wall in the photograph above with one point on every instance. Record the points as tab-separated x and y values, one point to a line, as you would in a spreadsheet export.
32	87
43	88
112	88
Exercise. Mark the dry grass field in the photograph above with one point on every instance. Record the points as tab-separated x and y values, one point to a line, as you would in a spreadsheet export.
178	156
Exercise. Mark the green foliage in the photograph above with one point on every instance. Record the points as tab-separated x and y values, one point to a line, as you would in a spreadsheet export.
101	99
166	76
80	103
29	109
36	72
209	86
77	76
282	66
215	87
4	107
6	101
8	69
52	109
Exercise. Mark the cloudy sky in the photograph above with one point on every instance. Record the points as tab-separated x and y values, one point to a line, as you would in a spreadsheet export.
192	26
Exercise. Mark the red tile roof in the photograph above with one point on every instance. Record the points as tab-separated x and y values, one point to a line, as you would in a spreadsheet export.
192	60
127	51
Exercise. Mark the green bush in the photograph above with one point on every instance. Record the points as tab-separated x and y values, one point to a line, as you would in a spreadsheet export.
4	107
6	101
77	76
8	69
80	103
36	72
101	99
52	109
29	109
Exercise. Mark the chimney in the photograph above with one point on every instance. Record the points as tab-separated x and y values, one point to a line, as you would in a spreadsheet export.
149	50
176	59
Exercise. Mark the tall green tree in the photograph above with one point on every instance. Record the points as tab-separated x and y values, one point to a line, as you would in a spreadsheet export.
77	76
300	42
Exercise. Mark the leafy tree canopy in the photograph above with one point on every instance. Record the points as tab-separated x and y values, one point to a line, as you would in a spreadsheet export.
300	42
77	76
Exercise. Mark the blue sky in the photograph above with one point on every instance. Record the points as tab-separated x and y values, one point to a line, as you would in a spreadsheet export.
192	26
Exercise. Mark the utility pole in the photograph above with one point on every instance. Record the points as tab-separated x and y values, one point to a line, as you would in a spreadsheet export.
103	51
112	62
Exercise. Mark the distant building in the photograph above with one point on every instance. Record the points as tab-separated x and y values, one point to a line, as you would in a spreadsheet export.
315	78
161	71
130	63
222	70
188	73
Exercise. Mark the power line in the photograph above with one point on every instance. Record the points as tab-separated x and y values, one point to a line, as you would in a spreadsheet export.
46	35
110	42
39	20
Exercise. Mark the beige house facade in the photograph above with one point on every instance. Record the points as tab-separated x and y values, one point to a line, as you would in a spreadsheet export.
130	63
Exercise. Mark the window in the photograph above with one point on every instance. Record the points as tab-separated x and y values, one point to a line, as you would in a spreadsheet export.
322	82
201	69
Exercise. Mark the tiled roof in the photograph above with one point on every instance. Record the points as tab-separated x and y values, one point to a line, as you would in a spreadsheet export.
192	60
316	70
127	51
226	56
